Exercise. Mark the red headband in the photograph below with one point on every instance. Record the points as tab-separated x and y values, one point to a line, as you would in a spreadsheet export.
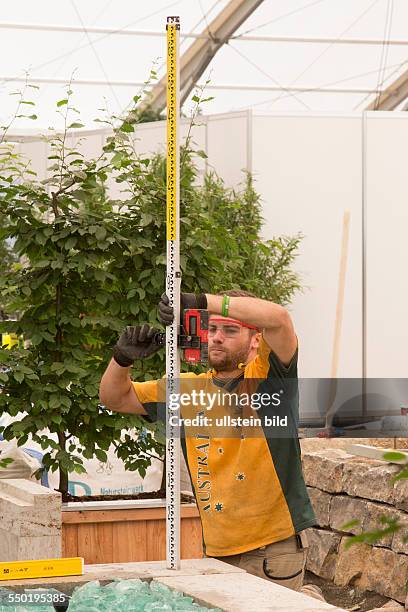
229	320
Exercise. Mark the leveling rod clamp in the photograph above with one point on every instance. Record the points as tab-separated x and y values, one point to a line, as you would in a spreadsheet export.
192	336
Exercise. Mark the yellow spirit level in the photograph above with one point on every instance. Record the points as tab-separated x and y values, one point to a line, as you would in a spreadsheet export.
41	568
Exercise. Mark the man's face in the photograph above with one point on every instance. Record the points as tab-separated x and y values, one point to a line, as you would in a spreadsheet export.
228	344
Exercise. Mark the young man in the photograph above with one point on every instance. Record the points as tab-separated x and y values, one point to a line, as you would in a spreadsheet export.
250	490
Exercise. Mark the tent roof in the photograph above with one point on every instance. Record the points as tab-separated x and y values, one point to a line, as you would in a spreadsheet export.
288	55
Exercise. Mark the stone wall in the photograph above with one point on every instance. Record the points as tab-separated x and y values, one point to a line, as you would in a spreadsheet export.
30	521
343	487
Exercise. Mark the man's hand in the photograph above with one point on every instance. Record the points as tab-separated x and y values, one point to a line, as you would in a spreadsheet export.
136	342
187	300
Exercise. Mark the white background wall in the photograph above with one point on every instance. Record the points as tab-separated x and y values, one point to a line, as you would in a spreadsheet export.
309	169
387	244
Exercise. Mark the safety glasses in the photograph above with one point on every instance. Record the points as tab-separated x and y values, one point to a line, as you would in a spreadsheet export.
228	330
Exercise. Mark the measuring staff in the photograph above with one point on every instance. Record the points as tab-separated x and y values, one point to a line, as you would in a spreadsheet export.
173	280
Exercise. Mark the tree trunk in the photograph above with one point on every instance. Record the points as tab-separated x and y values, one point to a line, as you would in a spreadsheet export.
63	475
63	481
163	480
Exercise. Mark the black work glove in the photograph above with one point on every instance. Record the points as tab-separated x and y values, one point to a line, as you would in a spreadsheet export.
187	300
136	342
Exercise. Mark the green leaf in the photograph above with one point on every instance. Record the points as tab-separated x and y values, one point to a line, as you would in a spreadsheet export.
134	308
75	124
145	219
92	391
394	456
70	243
54	402
18	376
41	238
62	102
79	469
101	455
100	233
195	99
127	127
101	298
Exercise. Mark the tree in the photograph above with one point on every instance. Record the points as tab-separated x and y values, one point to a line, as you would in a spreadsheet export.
89	265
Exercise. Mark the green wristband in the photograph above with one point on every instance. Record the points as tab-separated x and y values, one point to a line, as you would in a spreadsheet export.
225	305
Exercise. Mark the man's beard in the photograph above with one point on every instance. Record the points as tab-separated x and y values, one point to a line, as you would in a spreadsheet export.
228	361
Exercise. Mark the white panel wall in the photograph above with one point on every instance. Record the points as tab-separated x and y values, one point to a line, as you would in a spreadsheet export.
387	237
228	147
37	153
308	171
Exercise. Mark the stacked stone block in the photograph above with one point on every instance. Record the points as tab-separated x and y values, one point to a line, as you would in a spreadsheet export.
342	488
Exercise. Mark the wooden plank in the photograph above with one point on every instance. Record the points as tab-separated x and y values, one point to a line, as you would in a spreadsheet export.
69	536
331	408
138	514
129	541
155	540
189	511
95	543
116	541
340	294
110	516
191	539
373	452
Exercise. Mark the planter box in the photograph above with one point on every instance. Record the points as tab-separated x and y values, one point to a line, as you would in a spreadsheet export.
120	535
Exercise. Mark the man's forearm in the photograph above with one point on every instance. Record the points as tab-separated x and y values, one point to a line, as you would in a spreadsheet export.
115	385
254	311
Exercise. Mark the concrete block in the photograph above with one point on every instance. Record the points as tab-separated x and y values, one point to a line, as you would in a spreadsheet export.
145	570
30	521
245	593
17	548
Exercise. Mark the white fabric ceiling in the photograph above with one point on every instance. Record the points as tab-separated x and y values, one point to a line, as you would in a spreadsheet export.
109	58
